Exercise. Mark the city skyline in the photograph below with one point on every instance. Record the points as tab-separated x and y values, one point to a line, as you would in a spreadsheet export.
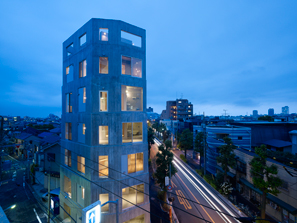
236	56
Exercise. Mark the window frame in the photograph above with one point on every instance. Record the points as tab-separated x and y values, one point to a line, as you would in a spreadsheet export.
107	64
107	35
80	166
131	73
68	134
132	132
68	102
81	68
102	167
135	164
136	195
107	134
82	44
68	161
100	101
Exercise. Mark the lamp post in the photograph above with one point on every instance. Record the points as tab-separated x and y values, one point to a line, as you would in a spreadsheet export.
10	207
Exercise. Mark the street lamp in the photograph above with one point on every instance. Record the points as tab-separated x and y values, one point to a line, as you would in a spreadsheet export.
10	207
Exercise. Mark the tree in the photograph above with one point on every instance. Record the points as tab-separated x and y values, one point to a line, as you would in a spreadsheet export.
266	118
164	159
264	176
186	141
150	138
227	156
199	145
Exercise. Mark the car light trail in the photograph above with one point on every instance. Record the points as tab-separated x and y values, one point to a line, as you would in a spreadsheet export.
176	161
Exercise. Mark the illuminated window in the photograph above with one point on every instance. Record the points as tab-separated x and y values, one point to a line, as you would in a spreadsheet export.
103	65
130	39
135	162
132	98
103	135
103	34
134	196
68	157
69	73
68	131
82	99
81	164
104	198
83	39
132	66
132	132
103	100
83	68
103	166
68	103
67	186
81	195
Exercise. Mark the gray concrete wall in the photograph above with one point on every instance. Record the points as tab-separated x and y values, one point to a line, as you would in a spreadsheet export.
93	118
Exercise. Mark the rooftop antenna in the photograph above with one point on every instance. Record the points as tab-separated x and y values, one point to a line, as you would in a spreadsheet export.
181	96
225	113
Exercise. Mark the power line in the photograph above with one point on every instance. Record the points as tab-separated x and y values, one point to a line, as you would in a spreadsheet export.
129	187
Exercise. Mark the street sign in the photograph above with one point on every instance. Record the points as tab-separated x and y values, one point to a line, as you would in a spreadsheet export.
166	181
92	213
169	188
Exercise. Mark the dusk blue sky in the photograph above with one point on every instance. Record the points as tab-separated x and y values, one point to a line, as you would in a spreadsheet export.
233	55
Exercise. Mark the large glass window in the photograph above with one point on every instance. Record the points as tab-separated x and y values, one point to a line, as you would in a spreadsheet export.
83	68
103	65
130	39
67	186
68	157
104	198
138	219
133	196
81	164
132	132
83	39
81	195
68	131
135	162
132	98
103	100
103	34
68	103
82	99
127	132
103	135
69	73
131	66
103	166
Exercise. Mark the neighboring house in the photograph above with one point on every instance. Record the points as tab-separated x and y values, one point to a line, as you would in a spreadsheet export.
26	143
282	207
278	145
48	160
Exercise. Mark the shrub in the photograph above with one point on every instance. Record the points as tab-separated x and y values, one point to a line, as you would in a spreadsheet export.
200	171
182	156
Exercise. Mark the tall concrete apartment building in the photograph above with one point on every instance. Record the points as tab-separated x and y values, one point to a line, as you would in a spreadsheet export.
104	128
271	112
285	110
178	109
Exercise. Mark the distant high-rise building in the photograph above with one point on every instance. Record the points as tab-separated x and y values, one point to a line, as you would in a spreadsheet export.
255	113
285	110
178	109
271	112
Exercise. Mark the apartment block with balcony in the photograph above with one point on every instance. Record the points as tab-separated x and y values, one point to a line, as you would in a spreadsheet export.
104	121
178	109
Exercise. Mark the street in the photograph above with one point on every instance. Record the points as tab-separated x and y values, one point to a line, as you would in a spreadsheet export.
13	191
192	191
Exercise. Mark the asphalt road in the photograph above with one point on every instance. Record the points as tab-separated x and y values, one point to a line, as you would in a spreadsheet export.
13	191
191	192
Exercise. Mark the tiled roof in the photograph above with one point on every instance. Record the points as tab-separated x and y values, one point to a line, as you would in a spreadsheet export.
277	143
45	134
23	136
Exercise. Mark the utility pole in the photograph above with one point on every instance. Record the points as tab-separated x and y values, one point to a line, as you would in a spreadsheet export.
49	196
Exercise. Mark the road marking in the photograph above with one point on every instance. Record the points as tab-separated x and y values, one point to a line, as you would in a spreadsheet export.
182	200
196	199
37	215
212	204
173	184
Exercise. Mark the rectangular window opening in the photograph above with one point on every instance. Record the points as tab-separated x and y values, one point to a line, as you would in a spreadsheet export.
83	68
68	103
67	186
132	195
103	166
104	198
83	39
69	49
103	100
68	131
81	164
103	65
130	39
68	157
103	34
103	135
131	98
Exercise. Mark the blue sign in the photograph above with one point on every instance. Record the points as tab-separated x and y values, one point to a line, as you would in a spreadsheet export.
92	217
